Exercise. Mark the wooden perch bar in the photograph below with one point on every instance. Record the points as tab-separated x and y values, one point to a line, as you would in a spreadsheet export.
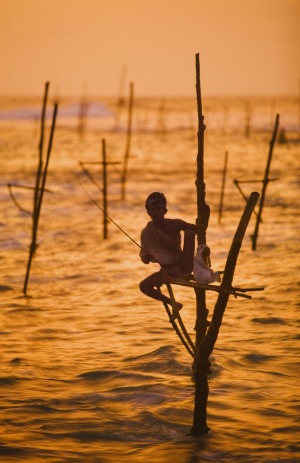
218	289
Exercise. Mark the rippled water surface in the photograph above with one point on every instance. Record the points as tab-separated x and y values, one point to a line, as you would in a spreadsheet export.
91	369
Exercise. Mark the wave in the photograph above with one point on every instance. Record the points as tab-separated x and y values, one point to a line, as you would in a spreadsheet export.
258	358
270	320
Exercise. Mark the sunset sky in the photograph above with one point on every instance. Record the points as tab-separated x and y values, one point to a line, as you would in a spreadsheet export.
247	47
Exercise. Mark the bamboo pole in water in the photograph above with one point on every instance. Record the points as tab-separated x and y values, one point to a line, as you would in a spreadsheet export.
248	112
127	150
40	163
181	336
206	347
265	183
38	198
203	210
121	99
223	187
104	188
176	315
104	175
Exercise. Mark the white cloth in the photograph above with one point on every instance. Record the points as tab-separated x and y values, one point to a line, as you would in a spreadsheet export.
202	273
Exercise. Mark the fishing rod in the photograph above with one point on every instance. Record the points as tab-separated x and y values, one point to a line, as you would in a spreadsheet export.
102	210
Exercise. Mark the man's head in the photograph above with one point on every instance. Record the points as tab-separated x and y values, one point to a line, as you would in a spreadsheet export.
156	200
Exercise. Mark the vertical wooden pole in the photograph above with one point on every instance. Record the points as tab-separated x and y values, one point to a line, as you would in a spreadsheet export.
265	183
207	345
203	210
247	119
121	99
223	187
83	109
104	172
40	162
39	202
127	150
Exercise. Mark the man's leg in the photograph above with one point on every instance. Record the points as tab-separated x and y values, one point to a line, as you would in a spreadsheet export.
148	285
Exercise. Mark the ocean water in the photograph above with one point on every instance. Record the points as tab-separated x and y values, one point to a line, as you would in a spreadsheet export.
91	369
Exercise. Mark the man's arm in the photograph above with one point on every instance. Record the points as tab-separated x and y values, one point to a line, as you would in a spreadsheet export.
186	225
145	257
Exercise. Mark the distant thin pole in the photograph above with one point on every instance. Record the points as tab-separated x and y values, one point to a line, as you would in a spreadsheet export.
115	223
247	119
127	150
121	99
82	117
39	200
223	186
265	183
104	174
40	163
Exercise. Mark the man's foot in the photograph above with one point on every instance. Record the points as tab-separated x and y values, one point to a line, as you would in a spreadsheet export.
176	312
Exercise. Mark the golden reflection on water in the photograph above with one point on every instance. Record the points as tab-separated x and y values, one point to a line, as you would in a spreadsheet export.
91	368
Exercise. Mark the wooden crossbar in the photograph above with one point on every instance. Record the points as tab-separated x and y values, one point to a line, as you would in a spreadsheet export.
234	291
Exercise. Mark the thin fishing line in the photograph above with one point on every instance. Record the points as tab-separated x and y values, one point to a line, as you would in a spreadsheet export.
102	210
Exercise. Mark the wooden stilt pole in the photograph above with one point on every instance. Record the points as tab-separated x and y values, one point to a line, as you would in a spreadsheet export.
38	201
265	183
206	347
203	210
104	174
178	316
190	350
40	163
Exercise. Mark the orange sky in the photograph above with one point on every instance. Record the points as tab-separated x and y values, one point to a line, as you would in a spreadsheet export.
247	47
